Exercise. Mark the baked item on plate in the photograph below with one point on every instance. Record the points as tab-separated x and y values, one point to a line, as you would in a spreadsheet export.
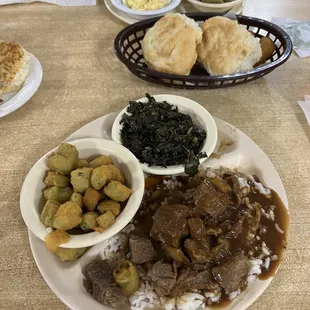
14	66
227	47
170	46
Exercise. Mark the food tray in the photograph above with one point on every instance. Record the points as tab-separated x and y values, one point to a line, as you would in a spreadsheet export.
128	49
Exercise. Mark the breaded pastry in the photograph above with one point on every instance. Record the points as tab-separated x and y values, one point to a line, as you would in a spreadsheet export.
227	47
171	44
14	66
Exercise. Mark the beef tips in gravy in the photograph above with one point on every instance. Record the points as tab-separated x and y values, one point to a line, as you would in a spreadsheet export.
206	234
141	249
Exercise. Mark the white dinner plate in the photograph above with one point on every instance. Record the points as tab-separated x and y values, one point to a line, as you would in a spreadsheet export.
184	7
65	278
14	100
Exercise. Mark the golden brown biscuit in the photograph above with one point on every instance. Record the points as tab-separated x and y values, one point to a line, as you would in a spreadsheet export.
14	66
171	44
227	47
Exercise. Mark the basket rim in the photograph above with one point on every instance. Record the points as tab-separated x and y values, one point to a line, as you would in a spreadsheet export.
280	34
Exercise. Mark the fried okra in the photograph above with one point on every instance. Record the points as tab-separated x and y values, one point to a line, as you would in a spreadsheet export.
78	198
80	179
117	191
91	199
101	160
58	193
81	163
126	277
109	205
69	151
101	175
55	179
54	239
69	254
106	219
49	210
60	164
89	221
68	216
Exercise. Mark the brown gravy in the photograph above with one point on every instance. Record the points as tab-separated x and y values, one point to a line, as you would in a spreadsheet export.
274	240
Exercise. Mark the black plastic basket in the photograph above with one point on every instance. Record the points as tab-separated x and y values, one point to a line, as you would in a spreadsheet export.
128	49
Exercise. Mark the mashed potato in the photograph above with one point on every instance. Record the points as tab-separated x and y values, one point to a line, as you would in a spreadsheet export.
146	5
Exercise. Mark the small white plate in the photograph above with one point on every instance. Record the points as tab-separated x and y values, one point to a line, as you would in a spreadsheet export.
243	153
184	7
14	100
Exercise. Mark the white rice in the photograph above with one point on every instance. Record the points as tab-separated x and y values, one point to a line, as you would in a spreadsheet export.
190	301
234	294
210	174
144	297
259	186
265	249
244	186
279	229
112	246
267	263
255	267
272	216
171	184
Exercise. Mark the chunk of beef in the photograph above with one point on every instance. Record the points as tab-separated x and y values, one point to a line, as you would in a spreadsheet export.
111	295
213	231
198	250
99	272
254	218
232	273
170	224
220	184
88	285
175	254
100	283
236	229
197	212
141	249
240	187
163	276
190	280
210	200
221	249
197	228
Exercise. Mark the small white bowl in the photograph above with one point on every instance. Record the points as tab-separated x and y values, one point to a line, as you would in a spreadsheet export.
214	7
31	193
200	117
141	15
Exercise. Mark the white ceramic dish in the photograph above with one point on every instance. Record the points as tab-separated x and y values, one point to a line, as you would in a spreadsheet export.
200	117
141	15
31	193
243	154
13	101
184	7
214	7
